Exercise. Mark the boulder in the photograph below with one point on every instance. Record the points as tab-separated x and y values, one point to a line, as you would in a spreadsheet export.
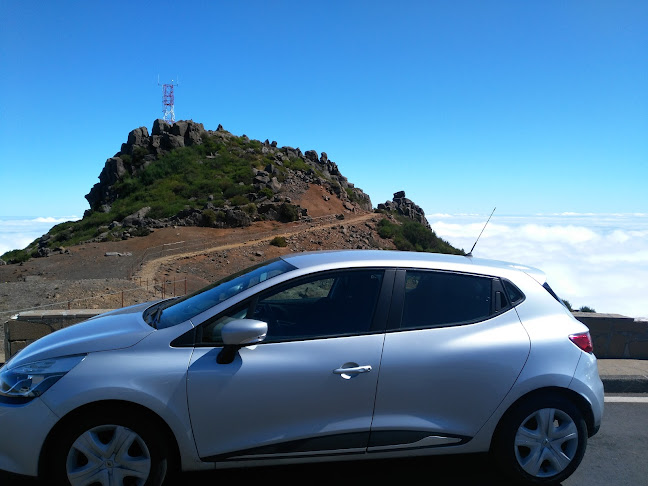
137	218
193	135
170	141
237	218
139	136
160	126
312	156
179	128
113	171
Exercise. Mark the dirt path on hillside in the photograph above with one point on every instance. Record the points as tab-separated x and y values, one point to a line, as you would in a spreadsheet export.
150	269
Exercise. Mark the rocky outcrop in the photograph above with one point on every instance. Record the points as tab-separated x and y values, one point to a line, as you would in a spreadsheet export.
286	167
139	151
405	207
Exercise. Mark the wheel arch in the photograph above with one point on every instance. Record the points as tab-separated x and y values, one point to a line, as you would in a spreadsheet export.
581	403
122	406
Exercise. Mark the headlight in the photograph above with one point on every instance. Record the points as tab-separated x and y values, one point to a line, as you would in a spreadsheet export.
23	383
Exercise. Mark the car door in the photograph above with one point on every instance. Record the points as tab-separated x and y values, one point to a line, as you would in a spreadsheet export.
453	350
309	388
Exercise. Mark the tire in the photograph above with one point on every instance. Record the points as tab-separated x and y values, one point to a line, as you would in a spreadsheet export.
541	441
109	449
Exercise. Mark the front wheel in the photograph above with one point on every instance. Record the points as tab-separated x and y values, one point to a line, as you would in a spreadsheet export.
109	450
542	441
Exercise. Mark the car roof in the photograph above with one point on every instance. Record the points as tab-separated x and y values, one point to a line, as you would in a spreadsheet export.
408	259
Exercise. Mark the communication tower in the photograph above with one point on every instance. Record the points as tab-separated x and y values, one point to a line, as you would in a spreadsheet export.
168	100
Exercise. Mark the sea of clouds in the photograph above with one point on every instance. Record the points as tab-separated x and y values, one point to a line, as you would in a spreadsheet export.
595	260
18	232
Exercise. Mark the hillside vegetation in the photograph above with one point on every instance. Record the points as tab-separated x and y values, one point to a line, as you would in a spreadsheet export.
409	235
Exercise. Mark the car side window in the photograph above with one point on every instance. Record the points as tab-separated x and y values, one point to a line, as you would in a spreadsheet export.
434	299
333	304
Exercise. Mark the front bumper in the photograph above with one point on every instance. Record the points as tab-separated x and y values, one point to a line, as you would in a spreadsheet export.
23	429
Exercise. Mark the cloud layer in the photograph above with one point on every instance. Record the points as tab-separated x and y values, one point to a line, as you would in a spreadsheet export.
598	260
17	233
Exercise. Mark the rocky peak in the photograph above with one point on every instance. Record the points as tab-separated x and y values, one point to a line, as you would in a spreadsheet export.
405	207
285	171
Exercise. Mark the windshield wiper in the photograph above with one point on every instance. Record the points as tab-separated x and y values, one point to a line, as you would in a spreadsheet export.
155	316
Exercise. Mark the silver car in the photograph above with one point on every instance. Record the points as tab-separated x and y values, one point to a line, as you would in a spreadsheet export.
311	357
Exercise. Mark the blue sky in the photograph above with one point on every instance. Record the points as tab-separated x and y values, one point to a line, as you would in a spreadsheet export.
528	106
537	107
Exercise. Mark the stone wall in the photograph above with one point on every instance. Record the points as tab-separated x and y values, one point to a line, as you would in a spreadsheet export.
614	336
27	327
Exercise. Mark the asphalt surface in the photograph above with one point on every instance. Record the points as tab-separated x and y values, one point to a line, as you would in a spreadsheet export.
624	376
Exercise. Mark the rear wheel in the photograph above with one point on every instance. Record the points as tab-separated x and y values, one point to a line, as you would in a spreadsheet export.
109	450
541	441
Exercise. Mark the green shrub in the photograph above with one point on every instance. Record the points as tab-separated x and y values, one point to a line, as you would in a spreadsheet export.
387	229
267	192
239	200
16	256
352	194
288	213
295	163
279	241
138	155
586	308
409	235
140	231
250	209
208	217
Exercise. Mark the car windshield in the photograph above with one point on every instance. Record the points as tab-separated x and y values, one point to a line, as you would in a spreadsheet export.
171	312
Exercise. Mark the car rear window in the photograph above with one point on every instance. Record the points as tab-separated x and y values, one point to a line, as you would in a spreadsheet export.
514	294
434	299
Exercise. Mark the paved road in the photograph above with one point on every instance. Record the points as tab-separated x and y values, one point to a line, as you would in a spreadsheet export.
616	456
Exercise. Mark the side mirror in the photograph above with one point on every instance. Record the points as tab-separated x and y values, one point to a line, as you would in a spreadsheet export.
239	333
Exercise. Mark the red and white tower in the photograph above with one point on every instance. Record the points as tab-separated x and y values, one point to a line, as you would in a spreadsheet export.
168	101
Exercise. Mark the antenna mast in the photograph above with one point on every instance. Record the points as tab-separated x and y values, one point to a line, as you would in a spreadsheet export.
168	101
473	247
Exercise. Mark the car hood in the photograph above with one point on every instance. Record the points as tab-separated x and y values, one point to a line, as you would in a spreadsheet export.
114	330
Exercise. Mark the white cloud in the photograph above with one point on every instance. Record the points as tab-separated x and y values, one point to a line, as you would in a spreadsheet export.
563	234
595	260
16	234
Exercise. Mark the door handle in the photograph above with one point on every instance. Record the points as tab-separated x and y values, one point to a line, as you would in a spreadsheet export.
345	372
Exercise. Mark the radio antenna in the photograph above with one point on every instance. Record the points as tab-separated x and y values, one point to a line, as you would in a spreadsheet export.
473	247
168	100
